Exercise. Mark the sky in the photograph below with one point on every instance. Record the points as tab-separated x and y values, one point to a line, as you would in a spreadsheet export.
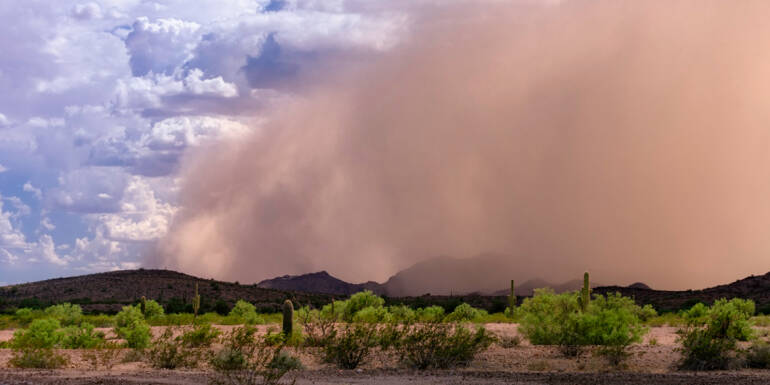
101	100
243	140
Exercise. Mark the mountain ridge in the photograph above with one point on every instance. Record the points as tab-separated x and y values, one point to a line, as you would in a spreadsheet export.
107	292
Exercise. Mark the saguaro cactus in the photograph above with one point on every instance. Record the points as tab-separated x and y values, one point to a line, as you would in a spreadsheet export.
143	305
196	303
585	293
512	298
288	318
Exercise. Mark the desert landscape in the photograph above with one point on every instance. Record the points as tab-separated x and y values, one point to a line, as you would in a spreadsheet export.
522	364
590	335
265	192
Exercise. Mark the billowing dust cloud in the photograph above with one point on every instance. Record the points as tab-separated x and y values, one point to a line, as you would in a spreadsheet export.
630	139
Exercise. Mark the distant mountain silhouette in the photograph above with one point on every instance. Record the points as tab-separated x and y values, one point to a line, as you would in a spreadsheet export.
444	276
320	282
484	274
639	285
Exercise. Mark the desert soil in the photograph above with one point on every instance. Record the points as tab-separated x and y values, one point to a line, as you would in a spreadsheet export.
652	362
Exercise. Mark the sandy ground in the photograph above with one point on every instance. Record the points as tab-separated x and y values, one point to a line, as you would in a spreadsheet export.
652	361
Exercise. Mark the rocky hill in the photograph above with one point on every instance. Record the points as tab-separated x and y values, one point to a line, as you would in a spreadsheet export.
107	292
320	282
756	288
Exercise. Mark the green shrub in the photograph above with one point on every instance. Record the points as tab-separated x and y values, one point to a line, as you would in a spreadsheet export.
66	313
360	301
247	312
37	358
237	344
701	351
696	314
137	335
557	319
709	341
431	314
202	335
463	312
26	315
127	316
372	314
334	310
131	326
440	345
758	355
82	337
244	359
646	313
732	318
41	334
402	313
544	317
169	352
33	347
152	309
273	338
316	325
350	346
100	320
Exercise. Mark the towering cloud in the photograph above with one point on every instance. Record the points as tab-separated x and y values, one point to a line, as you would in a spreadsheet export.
631	139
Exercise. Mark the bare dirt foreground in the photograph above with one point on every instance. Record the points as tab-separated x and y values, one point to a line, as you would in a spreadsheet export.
652	362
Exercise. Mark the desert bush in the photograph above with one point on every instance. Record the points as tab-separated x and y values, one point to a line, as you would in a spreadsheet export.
82	337
244	359
152	309
758	355
274	338
127	316
105	356
131	326
509	342
646	313
334	310
709	341
38	358
360	301
99	320
431	314
26	315
696	314
670	319
349	346
440	345
66	313
316	324
371	314
463	312
247	312
169	352
137	335
33	347
133	355
556	319
402	313
41	334
202	335
701	351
